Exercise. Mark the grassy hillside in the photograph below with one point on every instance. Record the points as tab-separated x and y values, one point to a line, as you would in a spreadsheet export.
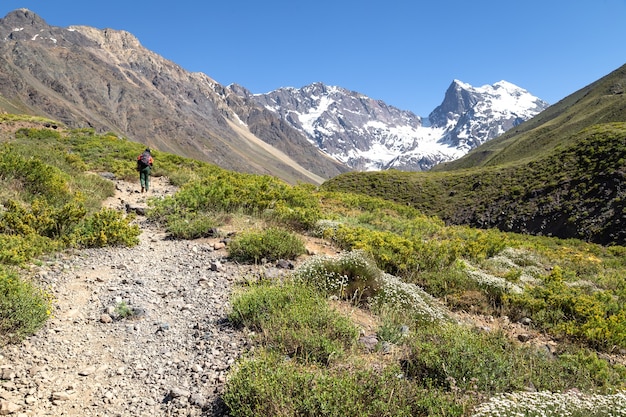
574	191
409	273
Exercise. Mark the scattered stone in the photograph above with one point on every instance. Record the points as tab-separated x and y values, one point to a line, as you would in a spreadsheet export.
198	400
163	327
369	342
105	318
87	371
284	264
7	407
216	266
138	312
526	321
524	337
178	392
60	396
7	374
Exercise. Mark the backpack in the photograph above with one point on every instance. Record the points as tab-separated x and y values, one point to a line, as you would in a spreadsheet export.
143	160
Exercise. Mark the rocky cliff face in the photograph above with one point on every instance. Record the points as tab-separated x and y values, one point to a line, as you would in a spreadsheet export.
367	134
105	79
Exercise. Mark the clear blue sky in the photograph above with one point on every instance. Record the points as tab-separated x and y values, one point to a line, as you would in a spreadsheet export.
404	52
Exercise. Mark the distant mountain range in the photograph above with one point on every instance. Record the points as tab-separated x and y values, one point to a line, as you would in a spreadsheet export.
106	80
368	134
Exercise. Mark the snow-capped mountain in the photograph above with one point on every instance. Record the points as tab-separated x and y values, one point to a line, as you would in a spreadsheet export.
367	134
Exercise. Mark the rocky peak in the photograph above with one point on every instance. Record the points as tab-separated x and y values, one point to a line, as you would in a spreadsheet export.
459	98
23	25
23	19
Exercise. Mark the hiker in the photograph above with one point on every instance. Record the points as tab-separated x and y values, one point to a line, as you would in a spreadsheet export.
144	163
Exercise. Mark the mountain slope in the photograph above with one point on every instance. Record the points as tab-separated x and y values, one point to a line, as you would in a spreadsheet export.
105	79
603	101
563	175
367	134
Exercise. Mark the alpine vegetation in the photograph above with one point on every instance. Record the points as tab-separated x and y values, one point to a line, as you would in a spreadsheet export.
355	277
538	404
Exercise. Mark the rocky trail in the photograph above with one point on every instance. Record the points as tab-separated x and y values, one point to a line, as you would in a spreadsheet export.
169	358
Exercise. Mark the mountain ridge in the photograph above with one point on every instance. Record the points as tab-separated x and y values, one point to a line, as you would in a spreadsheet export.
368	134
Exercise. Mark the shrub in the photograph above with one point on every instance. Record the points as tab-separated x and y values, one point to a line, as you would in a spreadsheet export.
18	249
294	320
546	403
349	276
41	218
596	317
24	308
452	356
191	227
38	179
272	386
294	207
412	300
123	310
271	244
107	228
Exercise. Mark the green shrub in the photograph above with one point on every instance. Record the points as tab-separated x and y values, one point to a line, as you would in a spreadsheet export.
38	179
294	320
24	308
37	134
41	218
596	317
19	249
294	207
272	386
107	228
123	310
349	276
191	227
452	356
271	244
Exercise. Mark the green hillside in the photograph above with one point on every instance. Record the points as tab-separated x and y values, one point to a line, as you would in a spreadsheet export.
416	279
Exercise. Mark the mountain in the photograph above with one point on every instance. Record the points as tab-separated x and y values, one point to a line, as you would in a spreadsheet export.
367	134
106	80
602	101
561	173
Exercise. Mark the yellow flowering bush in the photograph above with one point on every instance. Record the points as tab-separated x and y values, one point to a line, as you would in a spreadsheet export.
24	308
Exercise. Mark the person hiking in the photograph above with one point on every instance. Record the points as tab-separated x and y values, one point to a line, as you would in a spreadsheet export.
144	164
